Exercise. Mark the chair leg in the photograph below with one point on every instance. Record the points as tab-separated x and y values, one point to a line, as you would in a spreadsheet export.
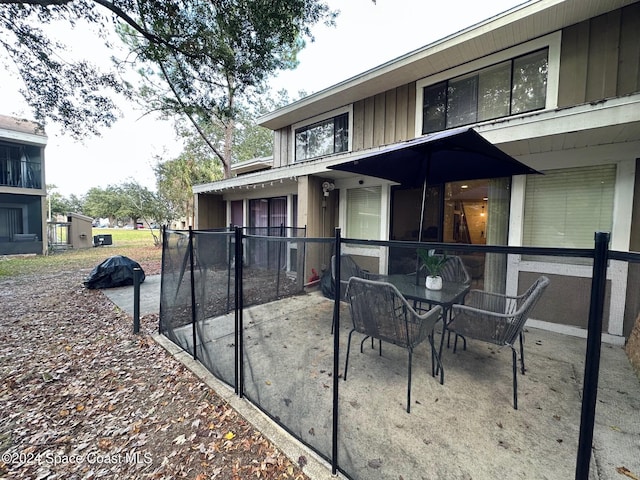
346	362
372	344
439	368
435	358
514	356
522	352
409	384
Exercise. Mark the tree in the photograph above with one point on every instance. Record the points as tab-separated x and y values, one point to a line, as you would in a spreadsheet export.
75	204
103	203
199	56
58	204
140	203
197	164
251	140
228	51
175	178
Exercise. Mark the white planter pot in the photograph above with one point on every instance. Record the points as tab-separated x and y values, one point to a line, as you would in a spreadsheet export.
433	283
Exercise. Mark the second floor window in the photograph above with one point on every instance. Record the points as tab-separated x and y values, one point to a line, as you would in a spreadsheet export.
515	86
20	166
323	138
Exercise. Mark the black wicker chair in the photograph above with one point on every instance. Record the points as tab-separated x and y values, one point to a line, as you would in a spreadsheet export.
378	310
349	268
497	319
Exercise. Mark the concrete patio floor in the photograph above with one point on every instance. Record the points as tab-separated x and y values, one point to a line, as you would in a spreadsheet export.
463	429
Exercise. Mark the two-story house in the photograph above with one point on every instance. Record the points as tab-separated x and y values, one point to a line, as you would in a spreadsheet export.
23	196
555	84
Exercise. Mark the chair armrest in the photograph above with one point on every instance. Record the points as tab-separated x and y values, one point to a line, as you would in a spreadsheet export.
491	302
472	311
424	321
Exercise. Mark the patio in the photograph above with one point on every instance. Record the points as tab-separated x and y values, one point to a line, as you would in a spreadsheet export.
463	429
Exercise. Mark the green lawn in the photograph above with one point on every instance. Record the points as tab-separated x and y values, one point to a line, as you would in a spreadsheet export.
135	244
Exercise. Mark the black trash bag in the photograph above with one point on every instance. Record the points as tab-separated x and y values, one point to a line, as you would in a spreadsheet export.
326	284
116	271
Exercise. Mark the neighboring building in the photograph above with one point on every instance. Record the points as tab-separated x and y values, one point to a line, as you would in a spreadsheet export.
556	84
23	195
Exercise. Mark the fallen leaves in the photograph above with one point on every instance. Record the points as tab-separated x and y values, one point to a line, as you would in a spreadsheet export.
627	473
85	398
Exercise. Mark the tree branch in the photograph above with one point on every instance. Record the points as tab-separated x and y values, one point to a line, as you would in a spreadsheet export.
189	116
120	13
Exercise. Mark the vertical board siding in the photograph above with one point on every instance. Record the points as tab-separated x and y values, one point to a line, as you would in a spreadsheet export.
629	61
600	58
369	115
572	89
384	119
379	114
390	117
602	71
357	137
281	147
411	111
402	113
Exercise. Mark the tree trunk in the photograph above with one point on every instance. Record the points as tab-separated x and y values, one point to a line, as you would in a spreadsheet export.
228	139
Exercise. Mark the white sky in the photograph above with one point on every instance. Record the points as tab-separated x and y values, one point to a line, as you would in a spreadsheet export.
366	35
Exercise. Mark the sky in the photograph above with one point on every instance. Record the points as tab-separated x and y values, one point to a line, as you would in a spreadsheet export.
366	35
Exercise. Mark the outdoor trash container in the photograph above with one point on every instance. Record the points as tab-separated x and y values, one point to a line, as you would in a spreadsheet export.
99	240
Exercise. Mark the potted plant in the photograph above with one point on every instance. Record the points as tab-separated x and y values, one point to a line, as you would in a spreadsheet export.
434	265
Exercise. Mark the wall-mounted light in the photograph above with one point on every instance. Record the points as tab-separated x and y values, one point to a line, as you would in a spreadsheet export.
328	187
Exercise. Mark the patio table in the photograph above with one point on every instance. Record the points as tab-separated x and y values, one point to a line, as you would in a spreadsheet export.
451	293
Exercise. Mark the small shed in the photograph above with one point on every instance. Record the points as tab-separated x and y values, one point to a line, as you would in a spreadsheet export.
80	230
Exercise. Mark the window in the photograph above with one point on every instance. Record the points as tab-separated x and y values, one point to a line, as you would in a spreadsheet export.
507	88
237	216
363	212
266	215
11	222
563	208
325	137
20	166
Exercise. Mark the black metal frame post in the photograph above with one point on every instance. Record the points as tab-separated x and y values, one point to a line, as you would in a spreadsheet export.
136	299
592	356
239	370
193	293
230	255
162	268
336	355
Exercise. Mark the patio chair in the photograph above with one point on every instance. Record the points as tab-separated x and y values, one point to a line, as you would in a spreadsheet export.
349	268
498	319
455	271
378	310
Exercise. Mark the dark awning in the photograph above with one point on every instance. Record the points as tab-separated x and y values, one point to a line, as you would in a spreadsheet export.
448	156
